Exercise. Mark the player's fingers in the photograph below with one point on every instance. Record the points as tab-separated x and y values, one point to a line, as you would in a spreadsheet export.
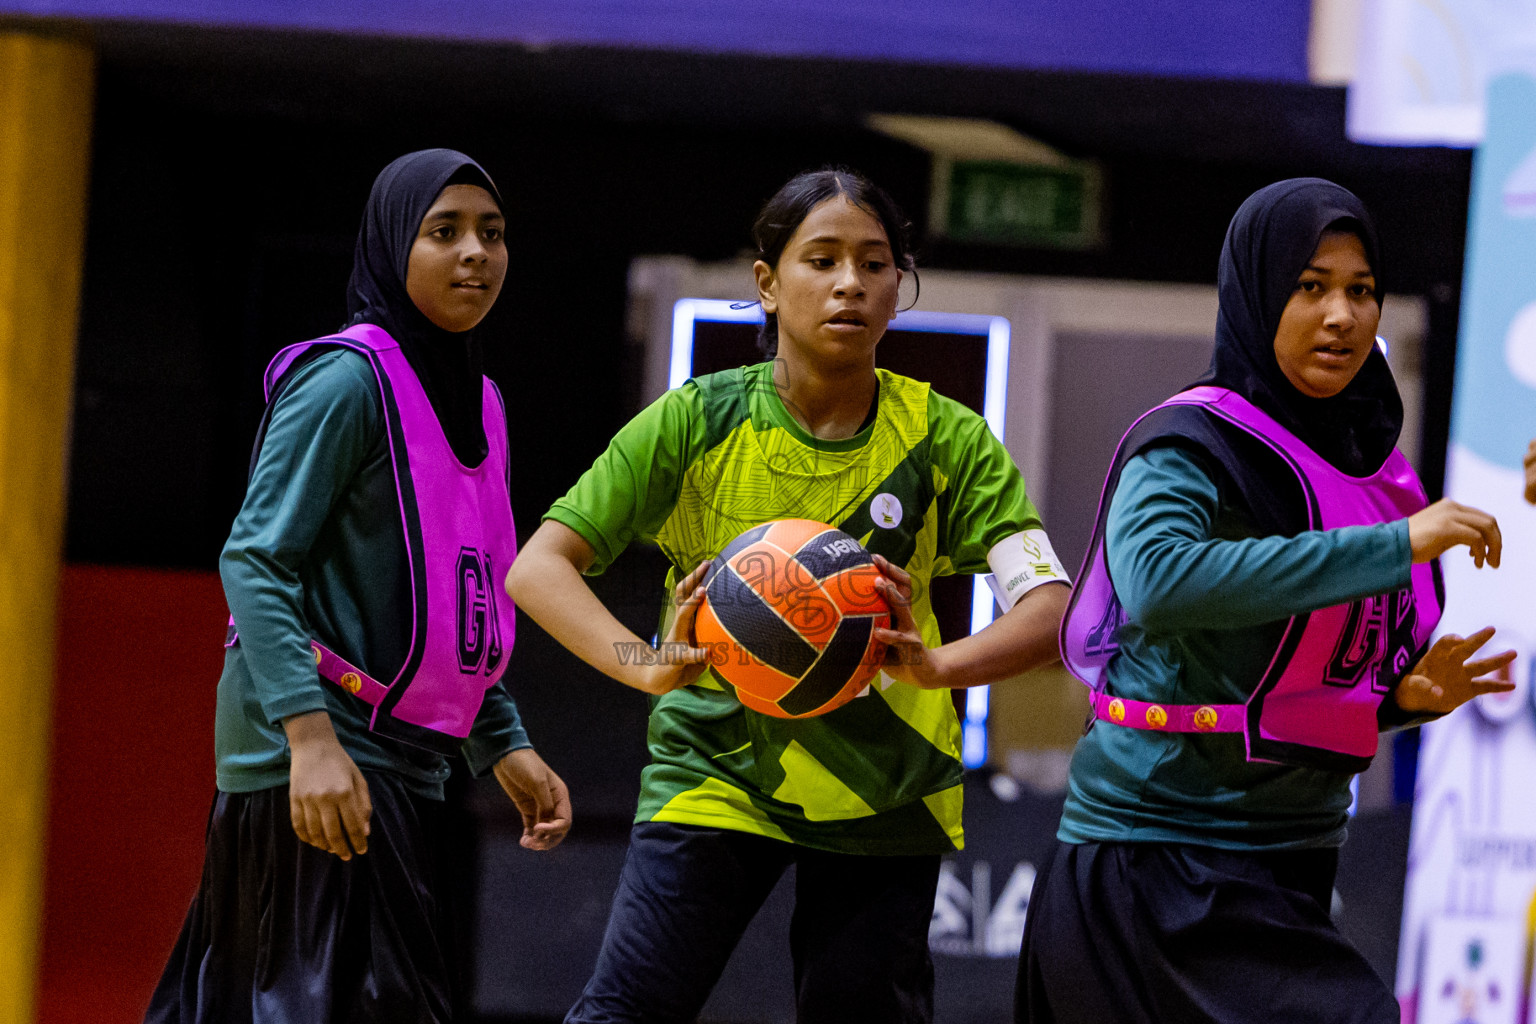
520	785
896	592
689	603
554	818
543	800
1468	645
544	836
527	806
678	643
562	808
685	587
901	608
314	831
296	817
688	584
364	800
902	650
895	634
892	570
1461	532
1465	518
532	835
1485	666
354	821
335	831
681	652
687	610
1494	540
1492	685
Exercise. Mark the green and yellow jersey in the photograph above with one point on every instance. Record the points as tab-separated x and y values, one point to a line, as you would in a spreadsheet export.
926	484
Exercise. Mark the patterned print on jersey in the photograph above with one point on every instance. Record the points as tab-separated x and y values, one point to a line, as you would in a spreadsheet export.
882	773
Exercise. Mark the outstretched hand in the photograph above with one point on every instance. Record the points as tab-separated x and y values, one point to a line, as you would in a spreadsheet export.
1446	524
540	796
1444	679
907	658
679	661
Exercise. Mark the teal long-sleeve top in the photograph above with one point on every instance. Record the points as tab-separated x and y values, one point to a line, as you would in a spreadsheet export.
1207	600
318	551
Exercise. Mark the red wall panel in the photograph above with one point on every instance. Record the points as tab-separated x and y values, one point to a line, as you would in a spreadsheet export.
139	654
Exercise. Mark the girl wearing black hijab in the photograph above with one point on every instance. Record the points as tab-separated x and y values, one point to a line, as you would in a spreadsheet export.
1256	604
322	896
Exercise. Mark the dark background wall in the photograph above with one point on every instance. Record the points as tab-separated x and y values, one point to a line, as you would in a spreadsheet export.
229	170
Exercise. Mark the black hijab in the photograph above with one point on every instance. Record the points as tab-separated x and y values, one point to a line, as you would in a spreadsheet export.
449	365
1272	237
1269	243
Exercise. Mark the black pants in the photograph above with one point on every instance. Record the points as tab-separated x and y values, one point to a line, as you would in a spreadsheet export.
1144	932
282	932
858	938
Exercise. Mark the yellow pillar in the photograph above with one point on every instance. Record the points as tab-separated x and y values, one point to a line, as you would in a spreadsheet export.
46	87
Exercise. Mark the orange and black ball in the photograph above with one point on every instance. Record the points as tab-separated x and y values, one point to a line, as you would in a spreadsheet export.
789	614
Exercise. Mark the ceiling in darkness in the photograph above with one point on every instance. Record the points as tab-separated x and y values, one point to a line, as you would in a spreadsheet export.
228	168
326	77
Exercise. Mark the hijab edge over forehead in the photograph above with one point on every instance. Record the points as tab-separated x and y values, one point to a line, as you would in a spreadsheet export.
448	364
1271	238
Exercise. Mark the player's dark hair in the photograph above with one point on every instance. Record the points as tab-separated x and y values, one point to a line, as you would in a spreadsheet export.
790	205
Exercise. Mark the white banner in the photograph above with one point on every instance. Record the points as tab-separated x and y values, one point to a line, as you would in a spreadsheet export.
1424	66
1465	952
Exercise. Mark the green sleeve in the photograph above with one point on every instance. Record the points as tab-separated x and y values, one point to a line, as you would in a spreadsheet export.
322	427
984	501
631	489
1173	573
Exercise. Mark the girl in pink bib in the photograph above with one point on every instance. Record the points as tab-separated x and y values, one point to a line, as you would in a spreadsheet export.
1257	603
369	636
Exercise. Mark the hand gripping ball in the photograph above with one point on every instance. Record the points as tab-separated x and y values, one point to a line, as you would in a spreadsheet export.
789	612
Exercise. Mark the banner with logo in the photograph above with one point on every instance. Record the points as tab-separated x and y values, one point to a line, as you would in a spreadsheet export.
1424	66
1470	900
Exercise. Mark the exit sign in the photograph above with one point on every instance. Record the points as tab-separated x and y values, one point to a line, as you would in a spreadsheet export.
1003	203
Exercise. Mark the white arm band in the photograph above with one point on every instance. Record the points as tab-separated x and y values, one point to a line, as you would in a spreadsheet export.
1020	564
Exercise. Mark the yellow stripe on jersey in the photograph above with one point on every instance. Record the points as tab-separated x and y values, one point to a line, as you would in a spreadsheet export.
945	807
715	803
821	795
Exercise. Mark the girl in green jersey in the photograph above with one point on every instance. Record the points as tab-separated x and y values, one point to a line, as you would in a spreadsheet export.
865	799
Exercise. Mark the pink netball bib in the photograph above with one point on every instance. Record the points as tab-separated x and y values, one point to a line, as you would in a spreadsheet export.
1316	703
459	543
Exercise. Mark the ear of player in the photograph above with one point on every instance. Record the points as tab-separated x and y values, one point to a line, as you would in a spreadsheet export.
789	614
